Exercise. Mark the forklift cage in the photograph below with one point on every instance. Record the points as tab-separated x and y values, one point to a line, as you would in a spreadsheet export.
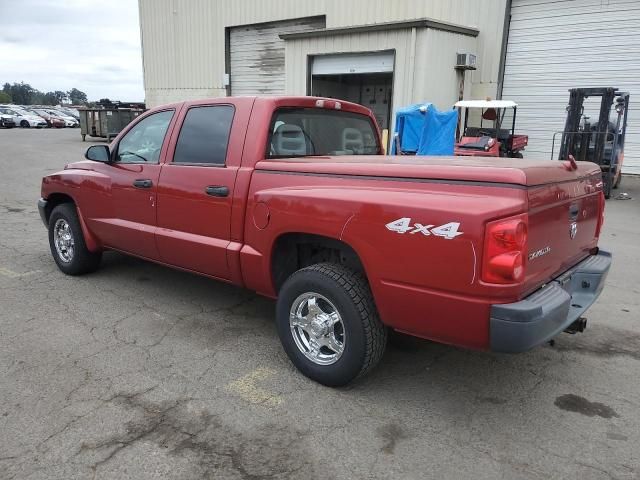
577	142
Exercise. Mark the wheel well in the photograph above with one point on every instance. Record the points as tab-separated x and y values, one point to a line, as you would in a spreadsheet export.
293	251
54	200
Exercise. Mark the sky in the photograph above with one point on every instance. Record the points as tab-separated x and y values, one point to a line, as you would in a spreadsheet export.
91	45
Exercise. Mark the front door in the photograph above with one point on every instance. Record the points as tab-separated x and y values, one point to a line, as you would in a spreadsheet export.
133	174
195	193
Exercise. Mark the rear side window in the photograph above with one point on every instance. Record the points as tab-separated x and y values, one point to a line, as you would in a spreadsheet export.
204	135
299	132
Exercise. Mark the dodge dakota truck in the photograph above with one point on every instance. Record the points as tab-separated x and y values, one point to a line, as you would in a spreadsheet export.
292	197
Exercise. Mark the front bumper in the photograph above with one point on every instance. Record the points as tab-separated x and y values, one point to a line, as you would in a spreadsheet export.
520	326
42	208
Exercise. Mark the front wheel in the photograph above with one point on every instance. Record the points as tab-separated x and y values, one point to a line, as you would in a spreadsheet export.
24	124
328	324
67	244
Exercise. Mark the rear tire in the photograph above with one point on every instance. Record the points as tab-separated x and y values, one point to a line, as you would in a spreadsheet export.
24	124
344	321
67	244
607	183
618	180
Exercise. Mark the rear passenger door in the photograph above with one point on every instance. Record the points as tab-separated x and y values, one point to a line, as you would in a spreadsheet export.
195	192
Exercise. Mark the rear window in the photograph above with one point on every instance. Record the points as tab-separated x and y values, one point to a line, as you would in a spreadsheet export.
299	132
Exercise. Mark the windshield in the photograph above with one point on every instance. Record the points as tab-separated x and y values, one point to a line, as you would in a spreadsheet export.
299	132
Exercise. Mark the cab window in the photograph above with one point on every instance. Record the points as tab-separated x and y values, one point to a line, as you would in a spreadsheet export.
143	143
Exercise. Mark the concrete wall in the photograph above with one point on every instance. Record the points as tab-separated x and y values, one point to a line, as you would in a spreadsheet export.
184	40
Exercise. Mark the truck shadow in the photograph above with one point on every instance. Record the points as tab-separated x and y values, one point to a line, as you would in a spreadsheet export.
412	369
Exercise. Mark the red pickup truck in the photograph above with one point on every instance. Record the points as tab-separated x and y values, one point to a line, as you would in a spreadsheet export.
292	197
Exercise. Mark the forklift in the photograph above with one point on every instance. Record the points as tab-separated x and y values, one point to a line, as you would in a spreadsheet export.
602	142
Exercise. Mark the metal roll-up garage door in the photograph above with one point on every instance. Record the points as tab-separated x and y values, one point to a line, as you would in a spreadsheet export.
257	55
555	45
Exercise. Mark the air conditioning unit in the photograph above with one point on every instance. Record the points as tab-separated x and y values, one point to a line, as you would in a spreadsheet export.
466	61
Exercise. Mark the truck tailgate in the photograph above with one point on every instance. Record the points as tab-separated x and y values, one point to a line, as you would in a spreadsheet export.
564	219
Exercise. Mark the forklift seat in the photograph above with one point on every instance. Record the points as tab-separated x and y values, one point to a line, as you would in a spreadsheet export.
490	114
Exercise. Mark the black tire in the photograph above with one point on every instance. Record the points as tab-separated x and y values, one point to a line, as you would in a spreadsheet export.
24	124
81	261
618	180
607	185
365	335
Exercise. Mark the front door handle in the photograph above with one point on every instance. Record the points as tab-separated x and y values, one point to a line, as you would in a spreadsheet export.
143	183
217	191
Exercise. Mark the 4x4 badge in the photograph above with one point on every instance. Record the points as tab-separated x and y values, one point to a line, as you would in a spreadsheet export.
573	230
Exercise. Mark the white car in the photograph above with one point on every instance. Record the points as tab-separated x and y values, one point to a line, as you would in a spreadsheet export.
23	118
69	121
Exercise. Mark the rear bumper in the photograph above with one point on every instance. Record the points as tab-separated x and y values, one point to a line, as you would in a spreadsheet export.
520	326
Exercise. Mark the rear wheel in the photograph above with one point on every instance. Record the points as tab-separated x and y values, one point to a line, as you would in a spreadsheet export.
67	244
24	124
618	181
328	324
607	179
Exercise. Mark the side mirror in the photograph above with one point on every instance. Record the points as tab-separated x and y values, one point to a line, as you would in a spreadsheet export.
98	153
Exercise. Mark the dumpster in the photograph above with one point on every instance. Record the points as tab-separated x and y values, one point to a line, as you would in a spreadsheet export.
105	122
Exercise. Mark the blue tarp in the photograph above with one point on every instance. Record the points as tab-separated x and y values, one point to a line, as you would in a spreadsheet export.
424	130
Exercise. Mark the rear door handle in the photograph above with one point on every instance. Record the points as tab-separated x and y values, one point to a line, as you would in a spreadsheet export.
143	183
217	191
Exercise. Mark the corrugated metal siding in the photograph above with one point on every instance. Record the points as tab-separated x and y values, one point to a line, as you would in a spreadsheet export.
257	55
183	40
556	45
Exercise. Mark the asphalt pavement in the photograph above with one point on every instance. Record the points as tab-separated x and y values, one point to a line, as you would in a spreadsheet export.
139	371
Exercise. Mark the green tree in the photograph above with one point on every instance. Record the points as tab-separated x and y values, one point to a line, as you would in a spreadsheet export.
5	97
37	98
61	96
49	98
77	97
21	93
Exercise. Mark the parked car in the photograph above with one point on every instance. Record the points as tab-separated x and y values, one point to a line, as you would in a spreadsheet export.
485	253
53	121
7	121
23	118
69	121
72	112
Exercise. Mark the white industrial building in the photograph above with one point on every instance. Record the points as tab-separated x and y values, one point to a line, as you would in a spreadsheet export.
387	54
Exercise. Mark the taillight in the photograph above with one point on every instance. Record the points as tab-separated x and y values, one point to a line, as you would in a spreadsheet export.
505	244
601	203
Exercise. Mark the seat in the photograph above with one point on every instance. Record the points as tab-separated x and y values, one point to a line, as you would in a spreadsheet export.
353	140
289	140
481	144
